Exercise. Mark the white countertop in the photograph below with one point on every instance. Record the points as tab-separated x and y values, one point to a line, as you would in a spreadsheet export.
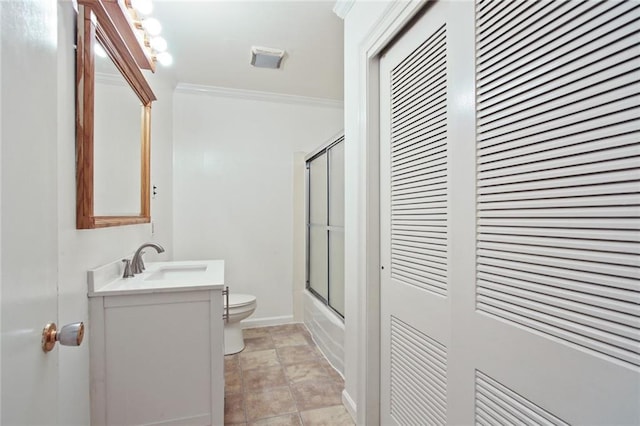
158	277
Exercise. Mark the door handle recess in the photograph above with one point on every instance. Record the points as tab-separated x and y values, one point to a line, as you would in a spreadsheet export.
69	335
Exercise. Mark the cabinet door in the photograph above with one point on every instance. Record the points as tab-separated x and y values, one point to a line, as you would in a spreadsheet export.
163	359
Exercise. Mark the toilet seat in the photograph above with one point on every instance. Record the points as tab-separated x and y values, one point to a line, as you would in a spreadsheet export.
238	300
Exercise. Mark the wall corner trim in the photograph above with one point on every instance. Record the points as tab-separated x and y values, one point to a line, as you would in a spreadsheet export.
342	7
256	95
349	404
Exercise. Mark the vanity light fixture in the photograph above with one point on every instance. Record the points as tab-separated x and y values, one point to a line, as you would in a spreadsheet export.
148	30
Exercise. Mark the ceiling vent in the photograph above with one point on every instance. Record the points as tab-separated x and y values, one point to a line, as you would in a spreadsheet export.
265	57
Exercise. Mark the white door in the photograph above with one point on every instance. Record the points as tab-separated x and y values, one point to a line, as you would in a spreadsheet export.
29	224
538	317
417	159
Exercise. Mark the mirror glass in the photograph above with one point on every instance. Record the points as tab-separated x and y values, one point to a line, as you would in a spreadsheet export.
117	133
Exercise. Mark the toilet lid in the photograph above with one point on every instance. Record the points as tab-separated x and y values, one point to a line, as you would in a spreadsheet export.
236	299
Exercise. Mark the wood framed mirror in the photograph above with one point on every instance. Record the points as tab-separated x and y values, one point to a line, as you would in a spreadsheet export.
107	22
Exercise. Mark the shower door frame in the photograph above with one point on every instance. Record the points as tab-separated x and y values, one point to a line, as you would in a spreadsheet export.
323	149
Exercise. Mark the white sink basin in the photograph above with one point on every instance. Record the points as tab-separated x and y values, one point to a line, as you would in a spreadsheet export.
158	277
176	273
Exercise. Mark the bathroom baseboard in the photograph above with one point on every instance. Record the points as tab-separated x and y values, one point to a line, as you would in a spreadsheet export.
264	322
348	403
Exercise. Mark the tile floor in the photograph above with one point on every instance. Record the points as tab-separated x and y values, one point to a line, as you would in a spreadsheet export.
281	378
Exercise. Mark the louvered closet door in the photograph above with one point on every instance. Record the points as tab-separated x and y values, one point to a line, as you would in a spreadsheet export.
556	325
418	122
510	241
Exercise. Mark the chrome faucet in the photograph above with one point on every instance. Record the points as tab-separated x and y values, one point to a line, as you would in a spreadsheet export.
137	265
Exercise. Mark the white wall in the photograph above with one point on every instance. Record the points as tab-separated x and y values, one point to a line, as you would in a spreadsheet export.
357	24
162	163
233	186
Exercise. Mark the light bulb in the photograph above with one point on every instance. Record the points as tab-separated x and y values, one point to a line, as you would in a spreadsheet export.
152	26
144	7
158	44
165	59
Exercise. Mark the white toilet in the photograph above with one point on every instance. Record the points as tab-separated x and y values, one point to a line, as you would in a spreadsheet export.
240	307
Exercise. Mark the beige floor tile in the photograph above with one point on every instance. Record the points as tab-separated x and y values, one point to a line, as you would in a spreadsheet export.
305	371
287	328
234	409
231	362
337	379
303	327
289	339
329	416
281	378
270	403
288	420
331	371
248	333
258	359
232	381
315	394
324	362
297	354
258	379
260	343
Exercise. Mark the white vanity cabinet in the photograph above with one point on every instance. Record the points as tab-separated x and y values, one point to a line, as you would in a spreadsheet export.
157	354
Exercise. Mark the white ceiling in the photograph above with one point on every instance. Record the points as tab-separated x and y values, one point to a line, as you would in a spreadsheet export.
210	41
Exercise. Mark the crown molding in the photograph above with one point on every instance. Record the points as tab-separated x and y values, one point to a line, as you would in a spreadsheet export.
342	7
256	95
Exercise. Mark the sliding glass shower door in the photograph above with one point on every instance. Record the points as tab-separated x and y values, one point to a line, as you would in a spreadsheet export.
325	225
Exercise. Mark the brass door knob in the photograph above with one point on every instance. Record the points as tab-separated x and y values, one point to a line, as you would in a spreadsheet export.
69	335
